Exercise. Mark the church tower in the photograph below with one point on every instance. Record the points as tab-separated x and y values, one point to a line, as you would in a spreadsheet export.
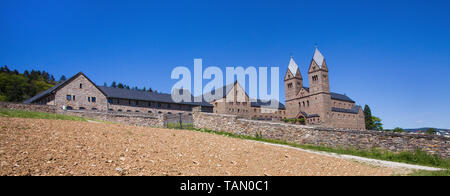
293	82
318	74
319	87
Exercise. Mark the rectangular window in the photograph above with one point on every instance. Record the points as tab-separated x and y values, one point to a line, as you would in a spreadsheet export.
89	99
73	97
69	97
168	105
110	101
81	85
94	99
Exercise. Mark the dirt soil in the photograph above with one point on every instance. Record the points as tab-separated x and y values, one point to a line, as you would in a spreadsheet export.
57	147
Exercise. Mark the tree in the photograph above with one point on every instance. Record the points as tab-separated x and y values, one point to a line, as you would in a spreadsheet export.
368	118
431	131
113	84
26	74
120	85
398	130
377	125
63	78
46	76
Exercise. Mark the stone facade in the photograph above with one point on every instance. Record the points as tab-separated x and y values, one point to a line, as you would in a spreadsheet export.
81	94
359	139
316	104
237	102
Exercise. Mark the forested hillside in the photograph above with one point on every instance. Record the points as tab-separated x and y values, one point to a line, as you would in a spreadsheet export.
17	87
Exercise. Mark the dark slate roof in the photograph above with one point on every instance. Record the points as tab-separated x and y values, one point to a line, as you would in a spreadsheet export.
145	96
43	93
341	97
310	115
267	104
354	110
225	90
337	96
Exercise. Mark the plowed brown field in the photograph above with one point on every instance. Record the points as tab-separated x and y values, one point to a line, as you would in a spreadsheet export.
57	147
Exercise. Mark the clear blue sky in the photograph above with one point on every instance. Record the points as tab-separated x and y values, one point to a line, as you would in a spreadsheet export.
391	55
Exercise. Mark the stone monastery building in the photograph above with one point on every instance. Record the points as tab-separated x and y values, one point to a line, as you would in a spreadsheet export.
316	104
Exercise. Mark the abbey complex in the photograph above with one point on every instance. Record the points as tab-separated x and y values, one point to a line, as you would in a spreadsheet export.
316	104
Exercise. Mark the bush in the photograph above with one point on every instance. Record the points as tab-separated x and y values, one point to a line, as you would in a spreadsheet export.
398	130
294	121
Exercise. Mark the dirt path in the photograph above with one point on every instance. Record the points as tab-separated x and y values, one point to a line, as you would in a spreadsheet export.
55	147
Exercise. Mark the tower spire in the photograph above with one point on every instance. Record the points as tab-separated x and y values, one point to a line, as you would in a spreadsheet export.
318	57
293	67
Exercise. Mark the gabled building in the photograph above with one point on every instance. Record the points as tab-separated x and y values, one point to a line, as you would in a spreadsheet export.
80	93
316	103
235	101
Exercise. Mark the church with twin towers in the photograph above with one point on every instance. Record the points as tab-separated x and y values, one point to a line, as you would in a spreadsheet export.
316	103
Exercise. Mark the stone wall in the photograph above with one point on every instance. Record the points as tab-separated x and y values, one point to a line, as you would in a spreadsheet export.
152	120
299	134
28	107
140	119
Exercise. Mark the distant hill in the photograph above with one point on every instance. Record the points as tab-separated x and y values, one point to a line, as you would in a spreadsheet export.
425	129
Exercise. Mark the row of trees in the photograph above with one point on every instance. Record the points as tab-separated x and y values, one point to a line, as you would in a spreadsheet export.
114	84
17	87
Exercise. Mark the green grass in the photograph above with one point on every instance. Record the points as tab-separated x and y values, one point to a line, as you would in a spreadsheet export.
431	173
417	157
40	115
